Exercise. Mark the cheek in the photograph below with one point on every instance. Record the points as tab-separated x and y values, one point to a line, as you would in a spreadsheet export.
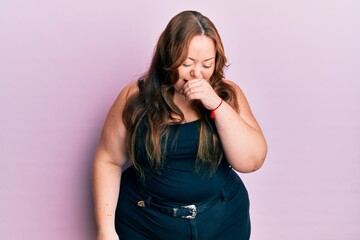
183	72
208	73
179	84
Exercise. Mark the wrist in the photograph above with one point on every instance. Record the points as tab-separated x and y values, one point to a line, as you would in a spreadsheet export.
212	111
106	229
107	235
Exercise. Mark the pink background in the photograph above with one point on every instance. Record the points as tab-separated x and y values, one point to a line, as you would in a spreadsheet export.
62	63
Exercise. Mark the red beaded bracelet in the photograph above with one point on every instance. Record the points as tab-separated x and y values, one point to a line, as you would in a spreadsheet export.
212	114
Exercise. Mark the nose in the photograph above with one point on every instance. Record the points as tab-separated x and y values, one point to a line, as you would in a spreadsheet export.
195	72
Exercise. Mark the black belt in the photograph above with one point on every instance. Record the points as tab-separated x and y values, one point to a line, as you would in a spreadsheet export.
183	211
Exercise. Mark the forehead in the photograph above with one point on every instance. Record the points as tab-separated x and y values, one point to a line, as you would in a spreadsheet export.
201	47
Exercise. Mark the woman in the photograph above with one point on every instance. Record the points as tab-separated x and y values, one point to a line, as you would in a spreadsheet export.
184	130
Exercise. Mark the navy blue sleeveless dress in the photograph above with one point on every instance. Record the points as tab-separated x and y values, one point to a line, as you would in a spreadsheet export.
177	183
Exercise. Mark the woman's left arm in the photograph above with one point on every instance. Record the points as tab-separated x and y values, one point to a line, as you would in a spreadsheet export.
242	140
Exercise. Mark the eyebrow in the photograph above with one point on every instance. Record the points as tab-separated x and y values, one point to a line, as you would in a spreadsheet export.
204	60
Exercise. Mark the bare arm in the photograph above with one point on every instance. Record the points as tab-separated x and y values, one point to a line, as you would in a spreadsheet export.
241	136
110	158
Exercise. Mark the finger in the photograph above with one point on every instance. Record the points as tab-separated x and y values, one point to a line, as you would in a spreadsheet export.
192	84
191	89
195	93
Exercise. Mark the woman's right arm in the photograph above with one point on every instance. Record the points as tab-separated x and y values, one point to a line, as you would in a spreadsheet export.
109	160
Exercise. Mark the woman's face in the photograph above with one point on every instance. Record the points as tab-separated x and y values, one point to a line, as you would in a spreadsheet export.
200	62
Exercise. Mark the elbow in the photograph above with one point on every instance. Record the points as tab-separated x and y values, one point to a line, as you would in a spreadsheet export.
249	167
258	163
251	163
259	159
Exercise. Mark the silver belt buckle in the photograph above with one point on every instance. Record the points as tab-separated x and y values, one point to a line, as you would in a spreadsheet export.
193	210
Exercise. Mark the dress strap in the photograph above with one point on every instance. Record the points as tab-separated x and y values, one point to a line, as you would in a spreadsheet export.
141	84
141	89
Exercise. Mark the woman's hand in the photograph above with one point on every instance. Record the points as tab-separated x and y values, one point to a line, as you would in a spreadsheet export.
200	89
107	236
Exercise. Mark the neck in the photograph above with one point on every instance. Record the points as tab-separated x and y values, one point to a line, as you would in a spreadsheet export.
180	100
186	107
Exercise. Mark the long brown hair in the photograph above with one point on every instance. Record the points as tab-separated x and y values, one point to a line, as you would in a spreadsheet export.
149	112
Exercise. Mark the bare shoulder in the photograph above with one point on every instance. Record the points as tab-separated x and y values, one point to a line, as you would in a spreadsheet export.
114	117
112	146
239	92
126	93
244	107
234	85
